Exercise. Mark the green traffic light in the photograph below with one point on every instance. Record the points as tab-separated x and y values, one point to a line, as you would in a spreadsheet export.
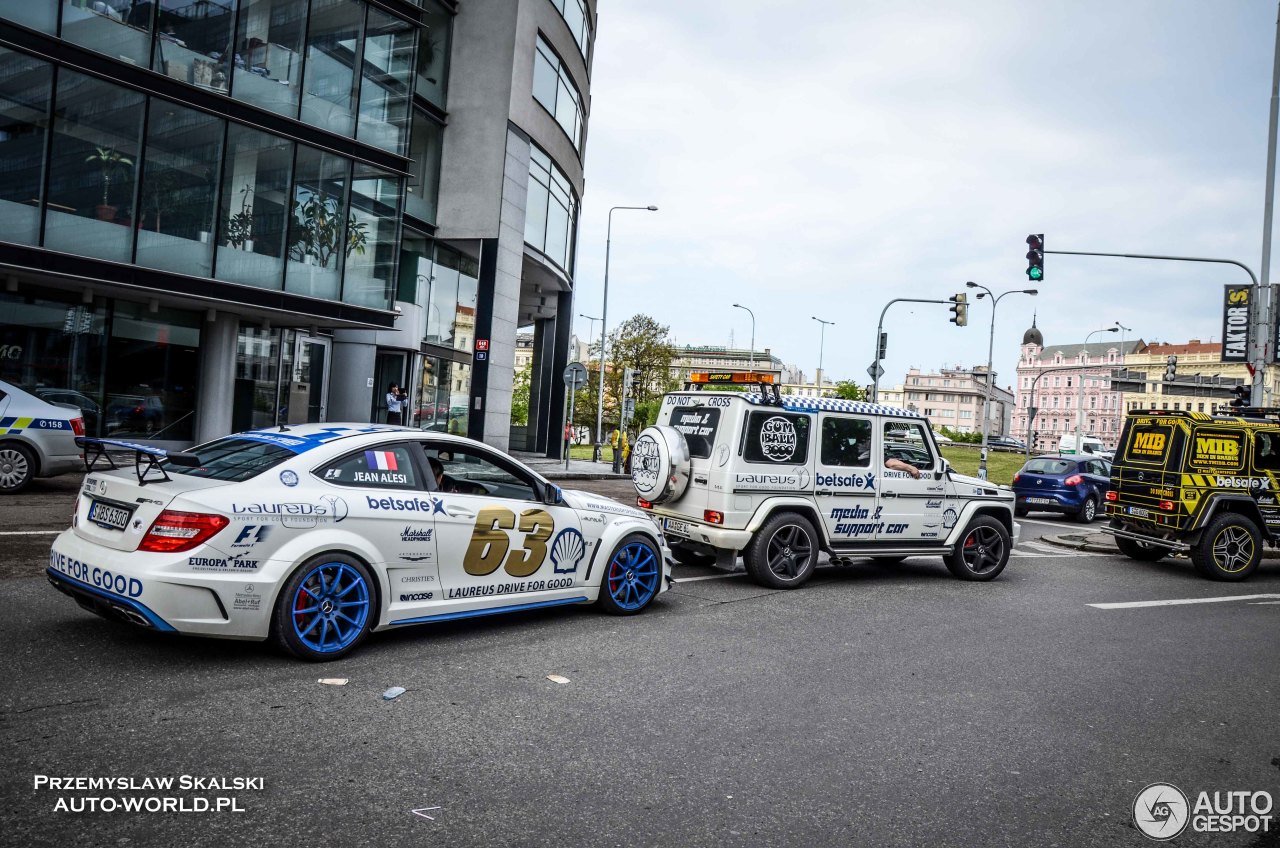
1035	273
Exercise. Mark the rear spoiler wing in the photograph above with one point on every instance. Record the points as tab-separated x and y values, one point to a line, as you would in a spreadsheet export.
146	459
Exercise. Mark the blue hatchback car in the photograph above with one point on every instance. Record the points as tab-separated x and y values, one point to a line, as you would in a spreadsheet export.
1074	485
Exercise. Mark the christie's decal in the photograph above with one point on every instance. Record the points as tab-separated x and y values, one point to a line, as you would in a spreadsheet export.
116	584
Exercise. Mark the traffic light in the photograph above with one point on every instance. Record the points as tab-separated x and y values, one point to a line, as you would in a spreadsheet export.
884	345
633	379
1241	398
1171	369
1035	257
960	309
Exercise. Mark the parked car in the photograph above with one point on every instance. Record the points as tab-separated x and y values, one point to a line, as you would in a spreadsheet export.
942	439
1006	442
71	399
37	438
315	535
778	480
1089	445
1073	485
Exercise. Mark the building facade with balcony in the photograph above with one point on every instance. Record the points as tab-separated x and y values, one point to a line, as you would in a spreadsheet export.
1195	359
691	358
238	213
1049	378
953	398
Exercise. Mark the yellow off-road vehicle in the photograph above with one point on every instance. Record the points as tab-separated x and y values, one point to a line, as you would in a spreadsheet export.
1205	485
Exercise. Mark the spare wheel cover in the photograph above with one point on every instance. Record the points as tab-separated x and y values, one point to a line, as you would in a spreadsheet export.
660	464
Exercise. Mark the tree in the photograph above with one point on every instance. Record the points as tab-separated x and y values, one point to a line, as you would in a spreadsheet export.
520	396
849	390
642	344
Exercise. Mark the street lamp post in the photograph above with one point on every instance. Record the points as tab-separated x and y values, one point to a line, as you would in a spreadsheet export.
991	338
1080	386
753	335
822	337
604	315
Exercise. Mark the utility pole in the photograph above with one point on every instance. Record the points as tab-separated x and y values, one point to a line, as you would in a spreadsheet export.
1263	308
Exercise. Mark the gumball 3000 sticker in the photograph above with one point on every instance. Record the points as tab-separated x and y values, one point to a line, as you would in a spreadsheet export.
777	439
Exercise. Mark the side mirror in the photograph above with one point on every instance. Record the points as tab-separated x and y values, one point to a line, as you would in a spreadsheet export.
943	467
553	495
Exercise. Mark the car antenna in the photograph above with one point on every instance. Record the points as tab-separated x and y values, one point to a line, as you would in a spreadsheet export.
283	429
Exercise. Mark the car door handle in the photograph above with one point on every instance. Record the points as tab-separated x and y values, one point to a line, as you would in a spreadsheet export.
461	512
822	492
889	494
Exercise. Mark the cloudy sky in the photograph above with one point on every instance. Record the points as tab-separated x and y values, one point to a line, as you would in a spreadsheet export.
820	158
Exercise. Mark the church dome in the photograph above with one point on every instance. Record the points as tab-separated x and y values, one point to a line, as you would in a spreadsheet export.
1033	336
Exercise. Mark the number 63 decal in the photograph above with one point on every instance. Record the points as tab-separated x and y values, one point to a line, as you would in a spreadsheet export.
490	546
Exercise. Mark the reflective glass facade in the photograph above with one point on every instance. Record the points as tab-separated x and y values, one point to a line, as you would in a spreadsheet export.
551	212
555	90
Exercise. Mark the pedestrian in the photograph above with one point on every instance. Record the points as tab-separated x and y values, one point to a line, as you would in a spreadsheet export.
615	441
626	454
395	404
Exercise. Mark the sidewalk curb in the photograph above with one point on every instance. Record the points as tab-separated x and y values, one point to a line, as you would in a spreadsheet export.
1101	543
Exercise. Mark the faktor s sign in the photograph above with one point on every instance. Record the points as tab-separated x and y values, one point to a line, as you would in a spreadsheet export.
1236	314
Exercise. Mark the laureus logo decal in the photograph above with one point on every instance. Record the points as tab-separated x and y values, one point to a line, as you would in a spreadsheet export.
1160	811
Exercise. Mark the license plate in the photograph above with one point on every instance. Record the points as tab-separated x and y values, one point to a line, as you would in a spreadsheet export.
110	516
679	528
1041	500
1139	511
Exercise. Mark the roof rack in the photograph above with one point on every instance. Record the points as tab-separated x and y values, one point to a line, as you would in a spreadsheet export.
702	380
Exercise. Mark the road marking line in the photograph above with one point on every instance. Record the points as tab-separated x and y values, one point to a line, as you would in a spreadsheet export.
1066	524
1137	604
1036	544
422	811
29	532
1263	603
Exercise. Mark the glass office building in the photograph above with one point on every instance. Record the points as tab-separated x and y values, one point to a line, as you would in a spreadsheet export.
221	214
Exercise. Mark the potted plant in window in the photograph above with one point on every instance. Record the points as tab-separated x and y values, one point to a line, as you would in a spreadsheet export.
112	162
319	230
239	227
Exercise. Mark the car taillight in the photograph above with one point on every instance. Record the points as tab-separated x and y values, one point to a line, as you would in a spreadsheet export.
713	517
1167	506
1113	495
644	504
77	426
174	532
1017	476
1074	480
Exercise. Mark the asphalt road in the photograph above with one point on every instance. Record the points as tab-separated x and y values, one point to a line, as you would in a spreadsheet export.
878	706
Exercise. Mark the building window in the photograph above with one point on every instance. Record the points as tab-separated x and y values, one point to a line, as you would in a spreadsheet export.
551	210
333	39
554	89
433	53
117	29
192	42
424	165
451	309
253	215
268	62
93	167
371	238
386	72
574	13
26	88
318	235
179	187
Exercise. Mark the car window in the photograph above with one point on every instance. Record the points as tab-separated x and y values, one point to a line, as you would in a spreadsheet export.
1266	450
698	425
1217	450
1150	442
381	467
904	441
232	459
1096	466
462	470
846	442
1049	466
776	437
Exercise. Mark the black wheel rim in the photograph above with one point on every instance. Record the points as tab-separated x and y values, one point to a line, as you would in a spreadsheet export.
983	550
789	551
1233	549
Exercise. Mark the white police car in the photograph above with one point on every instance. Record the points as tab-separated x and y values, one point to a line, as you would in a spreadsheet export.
780	479
37	439
316	534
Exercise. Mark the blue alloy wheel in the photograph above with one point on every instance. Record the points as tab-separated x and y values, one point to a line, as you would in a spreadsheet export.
330	607
631	579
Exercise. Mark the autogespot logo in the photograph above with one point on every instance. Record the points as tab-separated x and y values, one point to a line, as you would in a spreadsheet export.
1160	811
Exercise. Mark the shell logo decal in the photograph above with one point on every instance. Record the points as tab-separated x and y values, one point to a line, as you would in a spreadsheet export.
567	551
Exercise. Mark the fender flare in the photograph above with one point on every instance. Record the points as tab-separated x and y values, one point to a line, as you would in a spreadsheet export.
614	532
805	506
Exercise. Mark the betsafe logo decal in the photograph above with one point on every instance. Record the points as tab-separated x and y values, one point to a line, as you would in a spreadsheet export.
1160	811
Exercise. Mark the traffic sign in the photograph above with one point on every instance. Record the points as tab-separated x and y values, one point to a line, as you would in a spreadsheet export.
575	376
875	370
